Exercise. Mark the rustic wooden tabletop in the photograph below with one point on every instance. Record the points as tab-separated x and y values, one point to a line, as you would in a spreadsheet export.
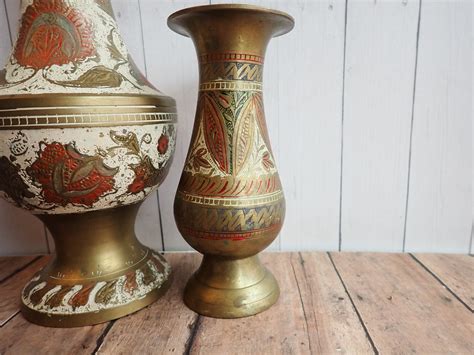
330	303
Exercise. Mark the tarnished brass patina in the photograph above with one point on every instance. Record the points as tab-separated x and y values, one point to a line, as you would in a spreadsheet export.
84	139
229	204
97	248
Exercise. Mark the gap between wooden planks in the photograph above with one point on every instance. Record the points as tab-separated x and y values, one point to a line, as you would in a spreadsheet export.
330	303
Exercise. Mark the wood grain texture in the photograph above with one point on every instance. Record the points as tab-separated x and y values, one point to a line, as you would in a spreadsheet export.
329	305
172	66
378	96
21	337
9	266
332	322
163	327
439	215
455	271
10	290
404	308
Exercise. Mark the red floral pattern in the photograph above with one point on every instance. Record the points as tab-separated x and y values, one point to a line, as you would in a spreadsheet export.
67	176
163	142
146	175
53	33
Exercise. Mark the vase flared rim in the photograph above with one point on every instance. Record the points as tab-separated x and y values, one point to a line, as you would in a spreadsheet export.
175	24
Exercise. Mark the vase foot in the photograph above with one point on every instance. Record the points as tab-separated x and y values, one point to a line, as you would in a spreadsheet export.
54	302
231	288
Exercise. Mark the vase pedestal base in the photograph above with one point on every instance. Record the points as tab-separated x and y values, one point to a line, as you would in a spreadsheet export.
231	288
100	272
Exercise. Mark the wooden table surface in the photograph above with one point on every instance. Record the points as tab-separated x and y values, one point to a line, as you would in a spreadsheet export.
330	303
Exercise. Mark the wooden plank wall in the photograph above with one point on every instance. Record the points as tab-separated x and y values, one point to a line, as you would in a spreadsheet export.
369	108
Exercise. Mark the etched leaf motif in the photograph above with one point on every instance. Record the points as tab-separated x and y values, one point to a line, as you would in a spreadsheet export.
214	134
114	52
260	115
57	299
82	297
199	160
83	171
106	293
148	276
129	141
243	136
38	295
130	284
96	77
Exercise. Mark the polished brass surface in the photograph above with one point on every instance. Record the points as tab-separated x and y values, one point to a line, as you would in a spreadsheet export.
92	248
83	101
231	288
229	205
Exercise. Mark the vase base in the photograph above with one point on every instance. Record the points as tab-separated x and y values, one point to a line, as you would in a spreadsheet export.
51	302
229	288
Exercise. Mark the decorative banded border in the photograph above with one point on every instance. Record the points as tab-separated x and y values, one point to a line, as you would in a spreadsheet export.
55	299
90	119
233	236
231	202
230	71
231	57
230	86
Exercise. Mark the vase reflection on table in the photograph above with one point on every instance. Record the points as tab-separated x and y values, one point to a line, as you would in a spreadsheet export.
229	204
85	138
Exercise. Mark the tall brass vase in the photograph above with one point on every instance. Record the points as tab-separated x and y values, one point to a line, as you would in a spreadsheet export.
229	205
84	139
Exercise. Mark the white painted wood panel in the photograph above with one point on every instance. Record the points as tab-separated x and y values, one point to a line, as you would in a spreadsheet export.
20	232
13	16
172	66
302	92
310	66
379	78
5	42
440	199
128	15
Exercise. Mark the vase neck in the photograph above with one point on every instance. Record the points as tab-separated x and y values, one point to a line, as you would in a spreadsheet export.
70	46
230	34
220	68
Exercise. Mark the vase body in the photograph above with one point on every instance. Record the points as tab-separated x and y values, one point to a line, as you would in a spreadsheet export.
230	204
85	138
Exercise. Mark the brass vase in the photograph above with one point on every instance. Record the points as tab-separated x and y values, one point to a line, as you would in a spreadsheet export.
229	205
85	138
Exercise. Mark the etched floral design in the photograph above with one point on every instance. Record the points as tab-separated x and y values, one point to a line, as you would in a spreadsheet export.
146	175
11	182
67	176
53	33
